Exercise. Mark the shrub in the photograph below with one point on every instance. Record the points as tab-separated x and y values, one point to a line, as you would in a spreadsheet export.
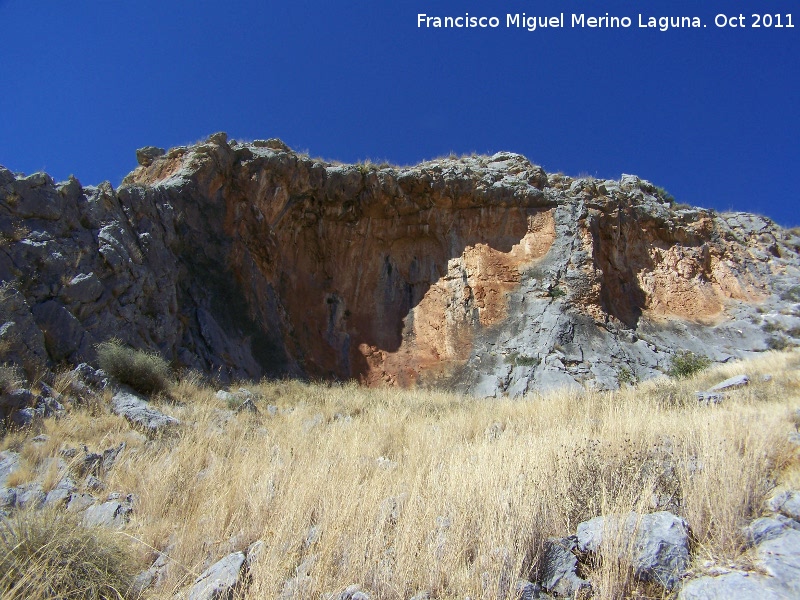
778	342
665	195
48	554
146	372
556	292
792	294
626	376
685	364
521	360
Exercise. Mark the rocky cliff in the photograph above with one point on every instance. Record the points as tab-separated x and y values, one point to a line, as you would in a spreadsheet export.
482	274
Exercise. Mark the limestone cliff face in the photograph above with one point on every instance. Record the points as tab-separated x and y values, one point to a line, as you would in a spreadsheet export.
482	274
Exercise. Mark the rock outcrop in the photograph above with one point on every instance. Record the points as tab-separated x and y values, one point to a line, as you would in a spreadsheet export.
482	274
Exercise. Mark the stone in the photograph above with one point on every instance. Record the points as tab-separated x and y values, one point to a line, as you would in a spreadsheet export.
352	592
779	557
9	462
23	417
83	288
8	497
709	398
139	413
30	495
145	156
731	383
112	513
786	502
559	566
63	333
93	484
732	586
658	543
61	494
17	399
767	528
80	502
221	580
526	590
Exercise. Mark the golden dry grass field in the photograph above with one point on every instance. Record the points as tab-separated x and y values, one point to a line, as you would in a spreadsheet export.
403	491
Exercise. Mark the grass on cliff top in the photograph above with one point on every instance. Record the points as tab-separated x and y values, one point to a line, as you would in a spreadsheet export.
403	491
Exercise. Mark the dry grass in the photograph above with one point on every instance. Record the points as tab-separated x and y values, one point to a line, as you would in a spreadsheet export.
45	554
402	491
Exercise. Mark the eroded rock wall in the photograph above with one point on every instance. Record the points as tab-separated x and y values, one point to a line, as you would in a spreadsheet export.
481	273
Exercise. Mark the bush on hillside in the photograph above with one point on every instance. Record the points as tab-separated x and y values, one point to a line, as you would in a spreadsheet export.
685	364
146	372
48	554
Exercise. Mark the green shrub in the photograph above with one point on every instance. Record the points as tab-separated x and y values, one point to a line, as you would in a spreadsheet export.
146	372
778	342
792	294
556	292
48	554
685	364
521	360
665	195
626	377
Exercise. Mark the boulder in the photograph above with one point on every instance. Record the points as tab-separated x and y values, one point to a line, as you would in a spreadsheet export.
708	398
61	494
63	333
656	543
145	156
112	513
83	288
767	528
9	462
731	383
220	580
786	502
352	592
780	558
736	585
8	497
526	590
558	568
139	413
30	495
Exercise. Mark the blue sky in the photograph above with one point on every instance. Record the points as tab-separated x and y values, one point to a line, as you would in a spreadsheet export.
711	114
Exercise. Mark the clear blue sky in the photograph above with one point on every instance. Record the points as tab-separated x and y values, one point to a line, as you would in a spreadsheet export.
711	114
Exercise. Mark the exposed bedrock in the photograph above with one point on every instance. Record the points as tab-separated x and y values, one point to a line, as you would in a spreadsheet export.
481	274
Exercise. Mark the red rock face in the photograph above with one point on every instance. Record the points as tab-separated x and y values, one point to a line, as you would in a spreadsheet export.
470	296
393	276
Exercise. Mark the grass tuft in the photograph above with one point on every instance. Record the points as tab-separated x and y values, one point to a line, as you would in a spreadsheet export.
48	554
145	372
